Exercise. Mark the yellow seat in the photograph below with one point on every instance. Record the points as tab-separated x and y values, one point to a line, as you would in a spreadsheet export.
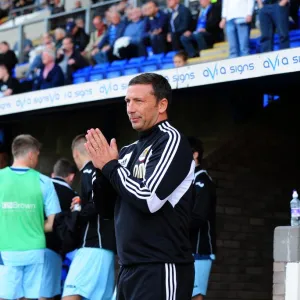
221	45
213	51
213	57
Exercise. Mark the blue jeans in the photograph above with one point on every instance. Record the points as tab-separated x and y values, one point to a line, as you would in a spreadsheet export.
238	38
199	38
270	15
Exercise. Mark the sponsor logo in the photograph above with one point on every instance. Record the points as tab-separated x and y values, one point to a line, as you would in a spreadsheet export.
125	160
15	205
142	157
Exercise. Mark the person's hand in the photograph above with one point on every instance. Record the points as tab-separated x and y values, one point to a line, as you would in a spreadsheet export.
248	19
106	48
222	23
169	38
83	53
98	148
187	33
95	51
8	92
202	30
71	61
60	52
283	2
156	31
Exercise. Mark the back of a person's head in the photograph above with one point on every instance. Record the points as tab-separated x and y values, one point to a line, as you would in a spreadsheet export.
23	144
78	144
197	146
63	168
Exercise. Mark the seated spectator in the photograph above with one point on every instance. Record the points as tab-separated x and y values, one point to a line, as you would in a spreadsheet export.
7	56
35	55
8	84
180	59
75	30
207	29
50	75
70	59
114	31
27	47
180	22
156	27
5	6
237	17
59	35
131	43
95	38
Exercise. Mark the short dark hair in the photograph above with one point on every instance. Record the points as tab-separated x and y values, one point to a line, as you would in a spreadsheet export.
63	168
5	43
160	85
24	143
153	1
69	37
78	142
182	54
197	146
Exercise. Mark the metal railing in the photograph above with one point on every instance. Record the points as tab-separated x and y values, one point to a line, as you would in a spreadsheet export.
87	12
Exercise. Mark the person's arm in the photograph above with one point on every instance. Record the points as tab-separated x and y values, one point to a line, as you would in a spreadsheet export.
250	7
58	77
169	167
214	20
80	62
260	3
48	226
201	202
186	20
51	202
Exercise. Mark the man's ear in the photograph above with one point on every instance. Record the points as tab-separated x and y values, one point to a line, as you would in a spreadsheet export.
163	105
195	155
71	177
52	175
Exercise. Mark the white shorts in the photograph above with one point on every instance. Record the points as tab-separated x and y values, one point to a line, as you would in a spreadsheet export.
19	282
51	280
91	274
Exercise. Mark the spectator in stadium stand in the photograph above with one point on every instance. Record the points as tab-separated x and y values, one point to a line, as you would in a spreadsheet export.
5	6
237	18
131	43
95	38
78	4
114	31
27	47
70	59
3	158
180	22
207	31
59	35
180	59
8	56
80	38
57	7
156	27
8	84
274	14
203	222
50	75
35	55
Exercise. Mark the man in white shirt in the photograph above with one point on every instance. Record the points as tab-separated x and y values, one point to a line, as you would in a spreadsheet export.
236	18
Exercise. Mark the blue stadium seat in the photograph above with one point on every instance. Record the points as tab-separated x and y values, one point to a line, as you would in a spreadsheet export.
99	68
113	74
167	66
154	59
149	68
168	57
117	65
79	80
295	44
84	72
131	71
135	62
96	77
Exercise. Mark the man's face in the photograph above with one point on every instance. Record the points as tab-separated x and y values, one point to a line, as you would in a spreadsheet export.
172	3
142	107
2	72
67	44
3	48
115	18
76	157
98	24
204	3
151	9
